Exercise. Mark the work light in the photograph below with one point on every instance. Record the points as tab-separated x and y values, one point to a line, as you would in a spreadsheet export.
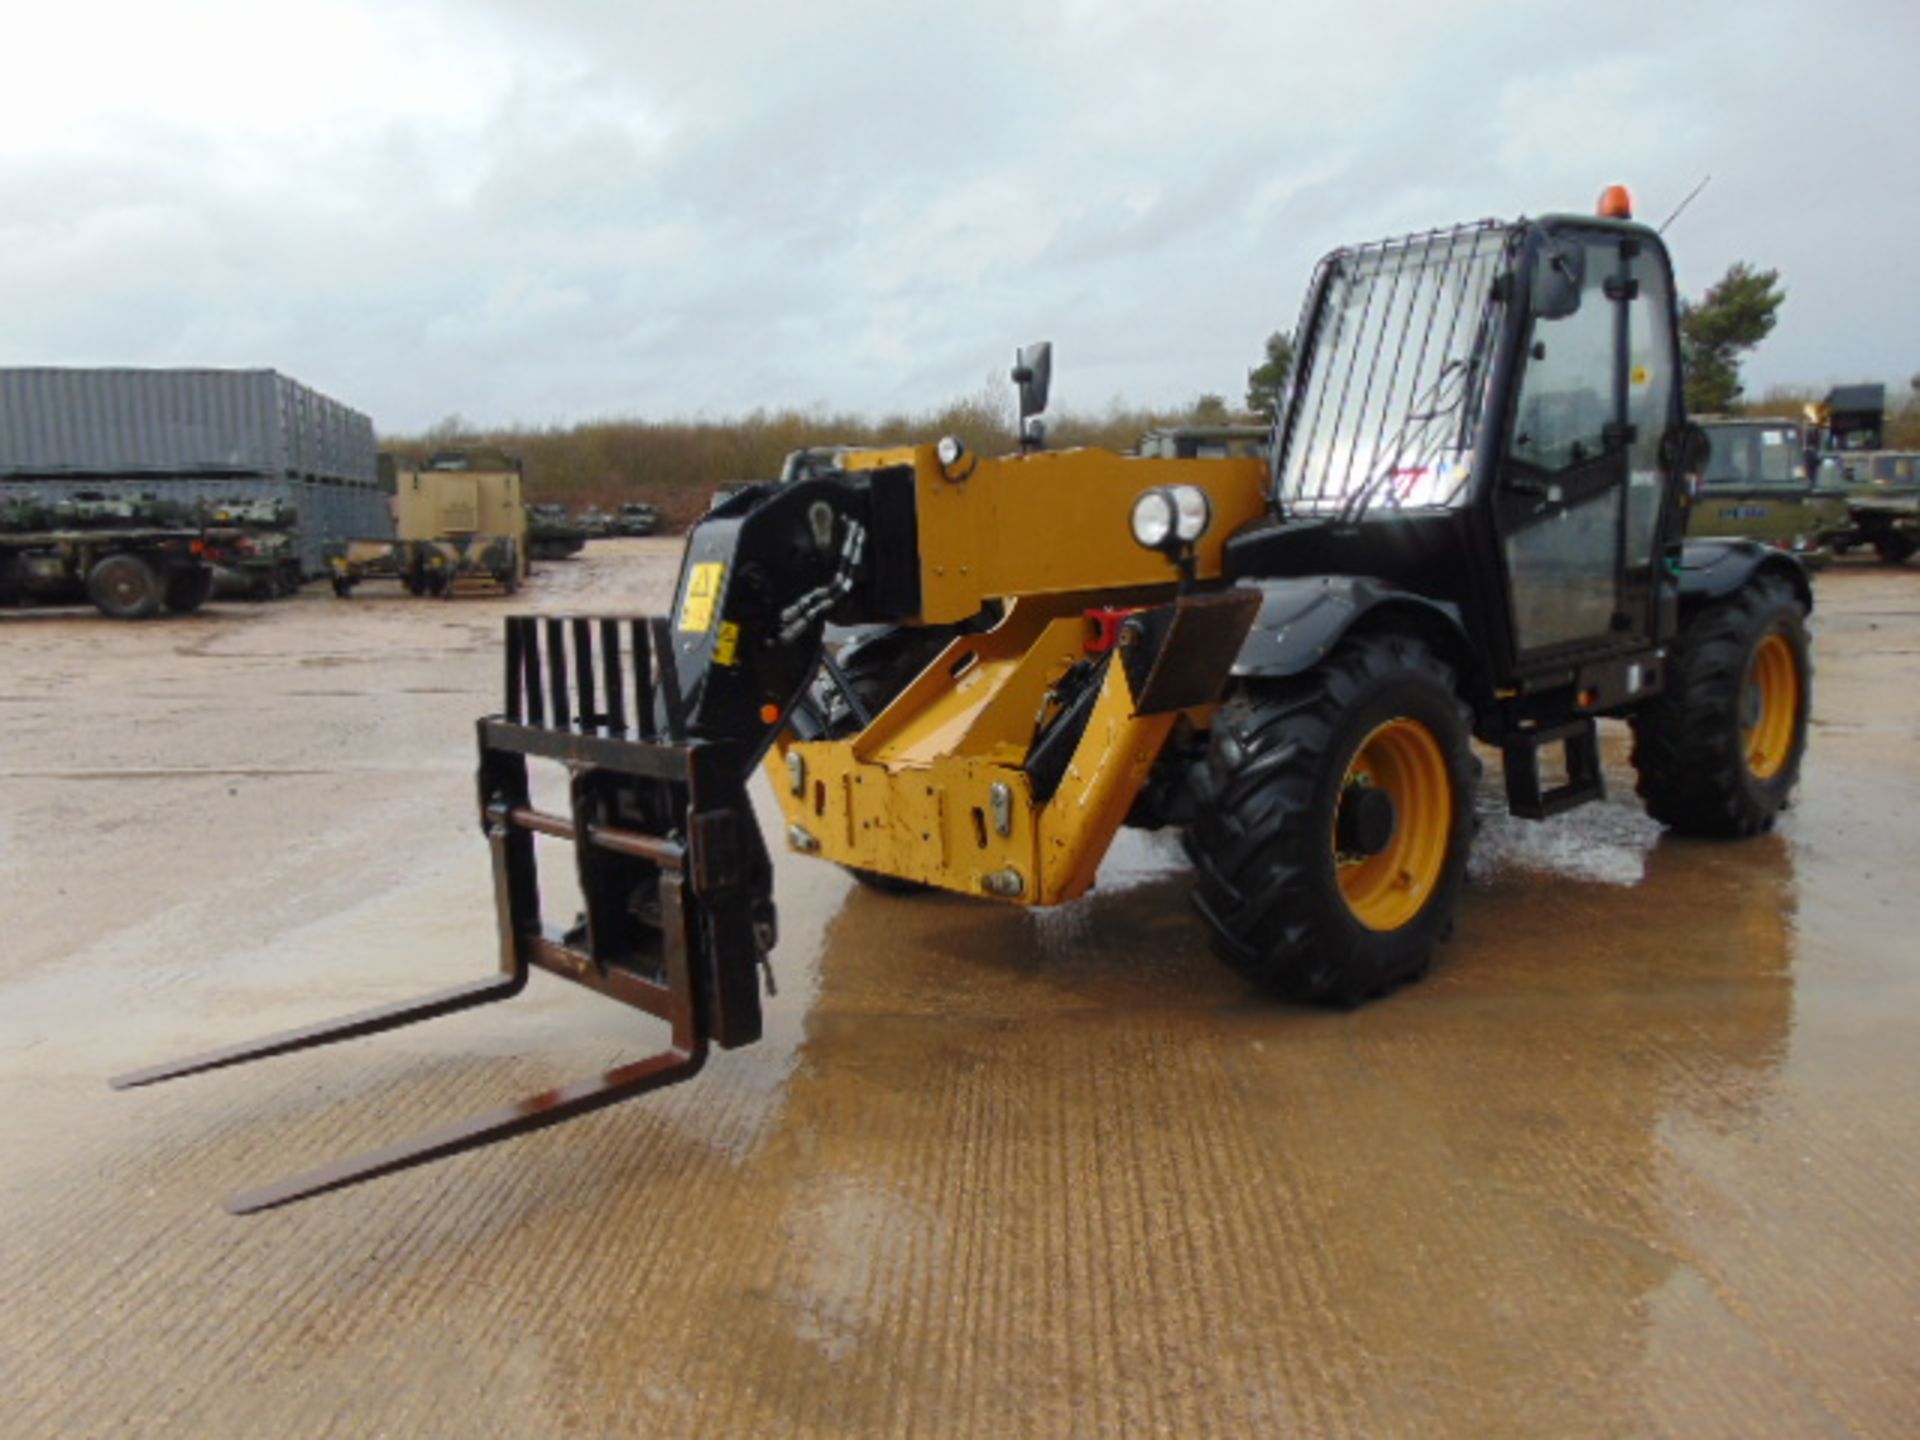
1153	519
1171	516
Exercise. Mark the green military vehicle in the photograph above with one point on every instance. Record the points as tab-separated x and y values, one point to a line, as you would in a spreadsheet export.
636	517
263	561
596	522
1882	496
131	556
552	533
1765	479
1205	442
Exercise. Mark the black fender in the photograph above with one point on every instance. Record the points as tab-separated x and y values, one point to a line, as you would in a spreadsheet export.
1713	569
1301	619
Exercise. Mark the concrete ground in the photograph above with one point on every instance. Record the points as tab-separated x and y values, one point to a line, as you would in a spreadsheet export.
1641	1157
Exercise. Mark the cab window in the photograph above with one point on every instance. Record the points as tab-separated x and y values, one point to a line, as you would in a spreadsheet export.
1746	457
1565	400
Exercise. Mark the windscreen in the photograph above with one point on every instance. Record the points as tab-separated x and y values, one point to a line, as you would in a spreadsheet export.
1396	363
1742	456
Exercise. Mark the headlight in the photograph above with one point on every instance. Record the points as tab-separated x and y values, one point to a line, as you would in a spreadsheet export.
1171	516
1153	518
949	451
1192	512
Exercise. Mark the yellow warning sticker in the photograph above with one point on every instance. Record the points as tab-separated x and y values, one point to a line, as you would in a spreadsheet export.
1641	375
703	589
726	645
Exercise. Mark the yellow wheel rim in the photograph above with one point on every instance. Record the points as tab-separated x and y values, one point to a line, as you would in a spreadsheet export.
1403	759
1770	707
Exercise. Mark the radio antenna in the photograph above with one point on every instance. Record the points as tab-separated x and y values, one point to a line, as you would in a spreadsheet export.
1683	204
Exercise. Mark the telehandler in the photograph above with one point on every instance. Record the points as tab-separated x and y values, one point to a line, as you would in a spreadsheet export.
1470	526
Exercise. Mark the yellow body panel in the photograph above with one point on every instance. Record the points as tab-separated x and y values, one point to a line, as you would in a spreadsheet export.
912	795
1054	522
936	820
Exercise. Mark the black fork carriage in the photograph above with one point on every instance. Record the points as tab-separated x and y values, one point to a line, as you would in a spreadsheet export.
672	872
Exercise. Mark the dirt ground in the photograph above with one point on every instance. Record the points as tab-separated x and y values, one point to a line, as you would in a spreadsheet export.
1641	1157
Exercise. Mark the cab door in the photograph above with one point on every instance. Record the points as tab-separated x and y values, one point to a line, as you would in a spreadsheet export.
1581	495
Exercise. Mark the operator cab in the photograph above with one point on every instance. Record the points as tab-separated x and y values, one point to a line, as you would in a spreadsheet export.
1490	417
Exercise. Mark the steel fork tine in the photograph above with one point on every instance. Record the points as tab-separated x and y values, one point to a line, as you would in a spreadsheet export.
349	1027
536	1112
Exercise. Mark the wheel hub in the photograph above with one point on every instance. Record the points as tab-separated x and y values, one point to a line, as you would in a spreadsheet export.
1769	707
1365	823
1392	826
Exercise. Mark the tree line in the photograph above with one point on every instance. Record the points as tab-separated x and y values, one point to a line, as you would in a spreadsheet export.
677	464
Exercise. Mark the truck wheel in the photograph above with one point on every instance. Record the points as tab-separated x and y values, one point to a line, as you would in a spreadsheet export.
124	587
187	590
1335	814
1718	751
1894	547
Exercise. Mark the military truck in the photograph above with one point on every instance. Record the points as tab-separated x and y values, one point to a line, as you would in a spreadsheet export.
1882	496
596	522
460	525
1766	479
636	518
130	556
263	561
1205	442
552	534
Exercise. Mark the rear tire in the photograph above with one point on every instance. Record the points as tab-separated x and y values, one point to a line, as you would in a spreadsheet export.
1718	751
1894	547
125	587
187	590
1304	896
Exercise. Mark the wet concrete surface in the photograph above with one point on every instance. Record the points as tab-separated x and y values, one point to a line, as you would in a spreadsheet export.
1641	1157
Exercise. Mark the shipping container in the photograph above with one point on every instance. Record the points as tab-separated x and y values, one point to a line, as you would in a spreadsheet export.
130	424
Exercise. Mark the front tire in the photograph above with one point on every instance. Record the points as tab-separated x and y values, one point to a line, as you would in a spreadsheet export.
1718	751
1335	812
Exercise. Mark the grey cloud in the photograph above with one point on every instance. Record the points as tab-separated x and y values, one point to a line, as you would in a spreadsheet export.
673	209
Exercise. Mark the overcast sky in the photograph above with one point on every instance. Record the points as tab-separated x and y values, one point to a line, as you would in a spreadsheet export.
562	210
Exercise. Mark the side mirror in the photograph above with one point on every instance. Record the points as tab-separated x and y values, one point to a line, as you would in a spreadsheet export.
1033	373
1559	270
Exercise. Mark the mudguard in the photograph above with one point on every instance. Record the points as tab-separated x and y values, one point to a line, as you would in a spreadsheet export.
1712	569
1302	618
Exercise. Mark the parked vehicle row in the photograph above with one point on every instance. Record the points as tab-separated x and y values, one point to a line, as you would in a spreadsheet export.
1782	483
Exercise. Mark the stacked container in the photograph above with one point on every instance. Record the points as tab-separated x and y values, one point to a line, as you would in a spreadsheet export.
192	436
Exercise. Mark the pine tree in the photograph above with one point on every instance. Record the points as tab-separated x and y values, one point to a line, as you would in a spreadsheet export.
1267	379
1735	315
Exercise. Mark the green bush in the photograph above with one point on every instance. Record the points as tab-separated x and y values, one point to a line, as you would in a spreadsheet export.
677	464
